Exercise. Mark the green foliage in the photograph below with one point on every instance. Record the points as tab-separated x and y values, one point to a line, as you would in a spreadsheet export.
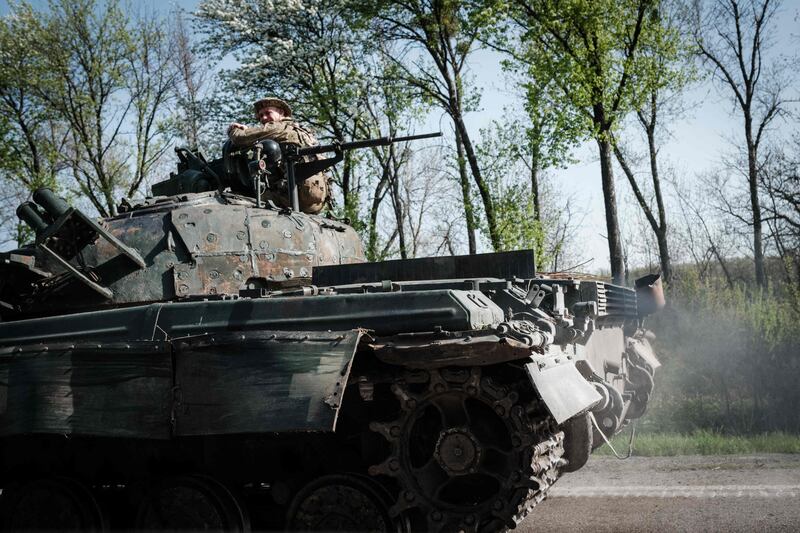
730	358
553	129
508	171
84	51
704	442
517	224
31	137
325	61
604	56
74	80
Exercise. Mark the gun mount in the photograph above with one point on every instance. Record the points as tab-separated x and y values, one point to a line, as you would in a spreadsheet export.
264	165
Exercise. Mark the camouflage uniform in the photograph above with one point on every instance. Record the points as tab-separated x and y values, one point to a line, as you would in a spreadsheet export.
313	192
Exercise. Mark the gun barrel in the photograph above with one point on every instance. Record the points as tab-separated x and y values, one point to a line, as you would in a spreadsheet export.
380	141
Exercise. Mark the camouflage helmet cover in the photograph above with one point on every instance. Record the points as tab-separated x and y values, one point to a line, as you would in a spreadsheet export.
272	101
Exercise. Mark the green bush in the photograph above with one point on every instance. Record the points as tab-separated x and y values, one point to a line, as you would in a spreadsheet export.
731	361
704	442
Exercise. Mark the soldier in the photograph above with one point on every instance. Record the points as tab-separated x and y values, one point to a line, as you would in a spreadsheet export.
277	124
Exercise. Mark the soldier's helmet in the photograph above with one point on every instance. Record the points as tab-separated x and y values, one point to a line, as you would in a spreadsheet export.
272	101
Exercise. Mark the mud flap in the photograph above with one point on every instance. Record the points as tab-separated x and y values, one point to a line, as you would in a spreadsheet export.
258	382
643	349
563	389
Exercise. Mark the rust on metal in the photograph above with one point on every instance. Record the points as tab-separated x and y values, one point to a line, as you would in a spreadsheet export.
461	351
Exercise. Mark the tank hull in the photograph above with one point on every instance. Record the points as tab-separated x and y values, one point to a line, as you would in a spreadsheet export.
207	361
267	394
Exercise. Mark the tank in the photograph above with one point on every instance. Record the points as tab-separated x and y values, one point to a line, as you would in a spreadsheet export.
208	359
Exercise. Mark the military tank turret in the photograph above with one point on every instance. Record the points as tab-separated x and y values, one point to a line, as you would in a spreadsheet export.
207	359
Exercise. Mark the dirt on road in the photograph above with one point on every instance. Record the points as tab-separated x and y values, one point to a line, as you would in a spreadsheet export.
686	493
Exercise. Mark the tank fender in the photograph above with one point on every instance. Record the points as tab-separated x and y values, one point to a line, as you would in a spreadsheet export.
561	386
508	341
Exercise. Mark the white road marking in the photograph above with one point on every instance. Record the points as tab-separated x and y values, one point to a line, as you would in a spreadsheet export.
679	491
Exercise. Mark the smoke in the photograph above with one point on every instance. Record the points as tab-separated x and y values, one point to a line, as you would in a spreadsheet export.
730	361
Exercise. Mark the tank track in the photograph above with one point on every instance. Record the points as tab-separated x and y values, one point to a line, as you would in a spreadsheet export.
547	461
473	449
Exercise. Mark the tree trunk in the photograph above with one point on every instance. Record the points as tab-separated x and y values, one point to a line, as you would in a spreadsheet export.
723	265
483	188
663	254
659	226
347	166
661	230
610	200
537	207
538	251
371	252
397	203
399	215
755	205
372	234
469	213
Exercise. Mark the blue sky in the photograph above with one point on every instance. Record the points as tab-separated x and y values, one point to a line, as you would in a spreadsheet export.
697	144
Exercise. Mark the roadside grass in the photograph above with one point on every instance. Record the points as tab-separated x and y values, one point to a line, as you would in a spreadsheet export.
703	442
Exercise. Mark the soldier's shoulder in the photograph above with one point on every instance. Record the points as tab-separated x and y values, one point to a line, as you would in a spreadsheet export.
303	128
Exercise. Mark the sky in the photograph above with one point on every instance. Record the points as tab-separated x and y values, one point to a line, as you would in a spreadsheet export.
697	142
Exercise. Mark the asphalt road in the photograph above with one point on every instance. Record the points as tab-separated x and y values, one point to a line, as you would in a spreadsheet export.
689	493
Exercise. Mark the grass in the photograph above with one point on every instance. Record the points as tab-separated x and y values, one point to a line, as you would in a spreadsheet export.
703	442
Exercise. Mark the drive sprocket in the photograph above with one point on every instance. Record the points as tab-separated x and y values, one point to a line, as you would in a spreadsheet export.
472	449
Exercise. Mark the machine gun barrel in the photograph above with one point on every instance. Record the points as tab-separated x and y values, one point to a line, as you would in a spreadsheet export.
366	143
293	156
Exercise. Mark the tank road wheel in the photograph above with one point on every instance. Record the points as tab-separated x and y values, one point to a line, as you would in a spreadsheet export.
191	502
51	504
640	377
471	450
341	502
609	417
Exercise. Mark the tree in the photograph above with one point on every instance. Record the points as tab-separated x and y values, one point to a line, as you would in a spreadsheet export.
648	119
33	138
671	59
191	76
86	52
529	215
437	38
532	146
301	51
549	137
780	179
733	40
428	199
387	113
92	75
545	141
151	85
592	52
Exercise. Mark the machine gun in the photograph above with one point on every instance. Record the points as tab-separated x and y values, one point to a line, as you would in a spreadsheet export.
298	170
250	170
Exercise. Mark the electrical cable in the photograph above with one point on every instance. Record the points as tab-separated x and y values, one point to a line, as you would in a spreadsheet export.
630	442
